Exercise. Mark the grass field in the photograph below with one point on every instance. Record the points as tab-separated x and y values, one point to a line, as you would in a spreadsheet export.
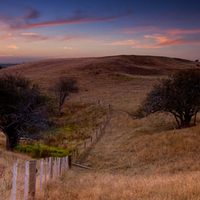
134	159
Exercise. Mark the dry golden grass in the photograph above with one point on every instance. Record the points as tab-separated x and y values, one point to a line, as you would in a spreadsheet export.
147	146
133	159
74	185
7	160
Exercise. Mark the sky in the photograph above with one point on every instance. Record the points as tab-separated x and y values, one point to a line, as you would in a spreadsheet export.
33	30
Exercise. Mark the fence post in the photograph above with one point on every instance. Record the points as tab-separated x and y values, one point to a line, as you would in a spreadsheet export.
67	162
32	177
59	166
50	167
70	161
26	181
63	164
41	173
55	164
45	176
76	153
14	181
108	109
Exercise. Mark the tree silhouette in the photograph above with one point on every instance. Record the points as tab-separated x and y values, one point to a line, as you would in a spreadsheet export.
63	87
22	109
178	95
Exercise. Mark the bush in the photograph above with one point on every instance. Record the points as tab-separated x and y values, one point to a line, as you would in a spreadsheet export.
43	151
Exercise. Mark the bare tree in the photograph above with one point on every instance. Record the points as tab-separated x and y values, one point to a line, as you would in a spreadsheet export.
22	109
63	87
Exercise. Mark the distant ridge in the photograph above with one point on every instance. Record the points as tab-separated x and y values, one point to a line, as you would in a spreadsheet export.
5	65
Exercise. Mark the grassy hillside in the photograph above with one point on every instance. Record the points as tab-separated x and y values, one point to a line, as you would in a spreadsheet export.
141	159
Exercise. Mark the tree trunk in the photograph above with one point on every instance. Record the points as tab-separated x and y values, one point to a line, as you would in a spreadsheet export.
11	142
61	101
185	121
177	120
195	116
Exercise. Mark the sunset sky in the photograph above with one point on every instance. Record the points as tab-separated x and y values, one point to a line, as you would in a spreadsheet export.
40	29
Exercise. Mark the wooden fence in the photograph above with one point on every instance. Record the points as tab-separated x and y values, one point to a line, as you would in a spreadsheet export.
24	180
83	147
32	177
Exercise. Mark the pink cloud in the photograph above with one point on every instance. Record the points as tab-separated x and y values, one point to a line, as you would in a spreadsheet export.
29	34
78	17
34	37
70	48
24	37
13	47
157	41
165	41
179	42
155	29
125	42
159	38
70	21
178	31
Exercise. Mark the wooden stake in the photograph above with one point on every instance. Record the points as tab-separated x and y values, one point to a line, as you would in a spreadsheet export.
70	161
41	173
32	177
14	181
26	181
76	153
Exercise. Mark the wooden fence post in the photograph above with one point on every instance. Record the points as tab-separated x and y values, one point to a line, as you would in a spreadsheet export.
55	164
76	153
70	161
63	164
108	109
72	153
45	175
67	162
50	167
32	177
59	166
14	181
26	181
41	173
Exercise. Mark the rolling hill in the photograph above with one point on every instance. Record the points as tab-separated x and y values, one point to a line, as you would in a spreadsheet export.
144	150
